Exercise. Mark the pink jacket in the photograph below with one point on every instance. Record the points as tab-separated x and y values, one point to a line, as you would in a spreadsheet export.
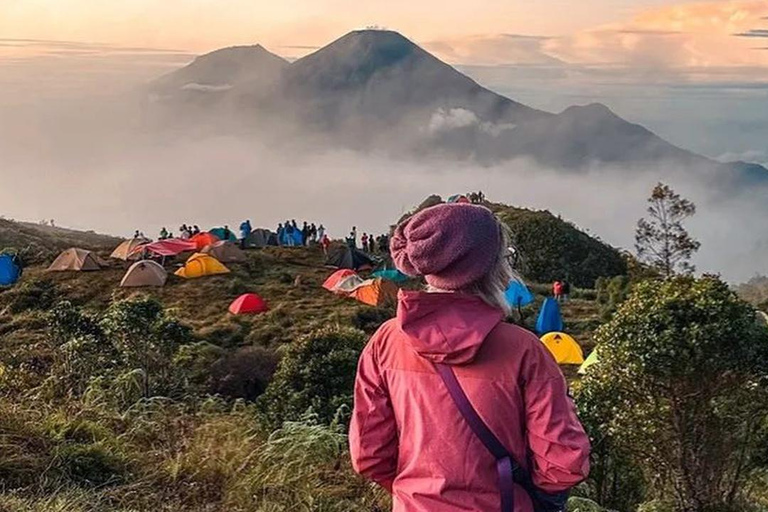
407	435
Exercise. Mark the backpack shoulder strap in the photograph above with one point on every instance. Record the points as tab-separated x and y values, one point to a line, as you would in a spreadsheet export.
505	464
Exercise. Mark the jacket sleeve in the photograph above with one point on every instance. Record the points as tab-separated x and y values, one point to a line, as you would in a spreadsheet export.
373	430
559	447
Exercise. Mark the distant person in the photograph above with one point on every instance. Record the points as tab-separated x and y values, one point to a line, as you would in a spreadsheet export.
227	233
384	244
280	234
313	233
195	230
354	234
325	242
53	224
448	355
352	240
320	232
565	289
371	245
364	240
289	231
305	233
557	290
170	235
136	234
245	232
293	225
163	234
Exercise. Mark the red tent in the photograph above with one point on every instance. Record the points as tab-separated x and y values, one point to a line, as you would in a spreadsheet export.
250	303
169	247
333	281
203	239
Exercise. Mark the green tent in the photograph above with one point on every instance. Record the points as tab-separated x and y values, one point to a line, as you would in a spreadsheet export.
589	361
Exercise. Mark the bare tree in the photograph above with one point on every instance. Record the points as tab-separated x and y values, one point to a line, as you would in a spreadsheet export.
661	239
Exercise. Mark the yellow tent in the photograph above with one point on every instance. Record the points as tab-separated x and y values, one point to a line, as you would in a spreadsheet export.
563	347
199	265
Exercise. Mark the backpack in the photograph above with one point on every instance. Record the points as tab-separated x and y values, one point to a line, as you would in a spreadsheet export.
508	469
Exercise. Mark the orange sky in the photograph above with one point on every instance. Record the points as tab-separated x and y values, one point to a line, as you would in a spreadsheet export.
638	33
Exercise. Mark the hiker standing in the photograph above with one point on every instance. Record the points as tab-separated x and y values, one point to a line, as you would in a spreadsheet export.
565	290
305	233
449	354
353	234
320	232
325	242
227	233
364	240
313	232
163	234
371	245
557	290
289	230
136	234
245	232
280	234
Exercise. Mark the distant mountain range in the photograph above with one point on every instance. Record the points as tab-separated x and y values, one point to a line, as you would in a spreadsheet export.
376	90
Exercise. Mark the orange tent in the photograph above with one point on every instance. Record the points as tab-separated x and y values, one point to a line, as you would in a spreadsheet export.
375	292
201	240
250	303
332	283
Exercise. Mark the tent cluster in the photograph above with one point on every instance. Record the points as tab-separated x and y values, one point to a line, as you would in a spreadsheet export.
373	292
549	325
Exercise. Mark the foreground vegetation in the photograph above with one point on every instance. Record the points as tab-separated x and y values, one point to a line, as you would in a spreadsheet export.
112	400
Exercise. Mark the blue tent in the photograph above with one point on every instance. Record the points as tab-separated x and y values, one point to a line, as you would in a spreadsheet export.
392	275
518	295
550	319
219	233
298	238
9	270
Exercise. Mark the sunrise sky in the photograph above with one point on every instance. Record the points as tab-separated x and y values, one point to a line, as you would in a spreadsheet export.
634	33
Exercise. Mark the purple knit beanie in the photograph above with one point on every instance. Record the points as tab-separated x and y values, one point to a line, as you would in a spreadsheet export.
452	245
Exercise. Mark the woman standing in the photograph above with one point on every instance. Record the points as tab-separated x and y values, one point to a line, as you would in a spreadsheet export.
408	433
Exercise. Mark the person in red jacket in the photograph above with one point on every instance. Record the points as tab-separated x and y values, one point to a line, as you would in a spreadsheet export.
406	432
557	290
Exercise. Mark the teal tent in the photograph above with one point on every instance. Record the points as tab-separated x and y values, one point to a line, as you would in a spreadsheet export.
518	295
219	233
10	270
550	319
391	275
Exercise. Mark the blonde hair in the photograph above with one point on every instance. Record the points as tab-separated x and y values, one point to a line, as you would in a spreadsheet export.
492	287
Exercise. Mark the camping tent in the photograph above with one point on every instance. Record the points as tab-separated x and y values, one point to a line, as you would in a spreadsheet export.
219	234
76	259
563	347
295	239
199	265
331	284
261	238
126	250
549	319
200	240
518	295
458	198
249	303
375	292
345	256
144	273
391	275
225	252
589	361
10	271
169	247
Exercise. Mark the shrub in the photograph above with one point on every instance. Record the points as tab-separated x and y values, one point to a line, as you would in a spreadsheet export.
317	372
243	374
370	319
39	294
610	293
91	465
680	390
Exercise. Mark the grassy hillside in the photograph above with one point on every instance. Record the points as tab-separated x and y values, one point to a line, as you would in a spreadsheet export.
70	443
39	242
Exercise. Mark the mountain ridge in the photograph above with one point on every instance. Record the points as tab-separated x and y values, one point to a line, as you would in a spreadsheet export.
377	90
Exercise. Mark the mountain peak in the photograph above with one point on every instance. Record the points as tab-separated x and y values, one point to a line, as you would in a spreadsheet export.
592	111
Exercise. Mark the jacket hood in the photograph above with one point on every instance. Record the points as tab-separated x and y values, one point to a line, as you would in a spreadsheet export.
446	327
